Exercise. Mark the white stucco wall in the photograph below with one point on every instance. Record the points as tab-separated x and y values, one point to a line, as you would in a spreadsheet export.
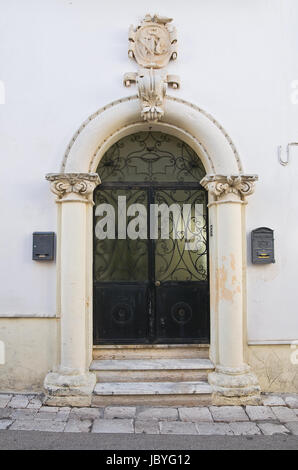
61	60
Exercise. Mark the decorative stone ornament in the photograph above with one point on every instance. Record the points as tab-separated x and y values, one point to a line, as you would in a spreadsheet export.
73	186
225	185
152	87
153	43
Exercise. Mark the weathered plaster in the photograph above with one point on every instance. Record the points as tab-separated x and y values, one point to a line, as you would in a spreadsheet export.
273	367
31	349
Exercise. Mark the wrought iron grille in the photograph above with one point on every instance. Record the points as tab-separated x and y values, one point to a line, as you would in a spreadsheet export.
150	157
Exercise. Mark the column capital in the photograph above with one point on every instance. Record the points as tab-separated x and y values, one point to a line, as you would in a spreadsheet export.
72	187
229	187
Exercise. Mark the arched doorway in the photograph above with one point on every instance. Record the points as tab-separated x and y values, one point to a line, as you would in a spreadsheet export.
150	272
70	381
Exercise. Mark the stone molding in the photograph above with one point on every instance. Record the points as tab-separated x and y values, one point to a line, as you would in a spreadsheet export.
105	125
226	187
73	186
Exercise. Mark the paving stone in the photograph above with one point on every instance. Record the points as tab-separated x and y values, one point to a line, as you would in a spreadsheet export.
284	414
3	403
292	401
49	425
119	412
260	413
35	403
160	414
195	414
86	413
4	400
273	400
293	427
146	427
76	425
62	415
30	396
38	425
113	426
49	409
19	401
5	412
245	428
228	413
23	413
177	427
5	423
23	425
272	428
46	415
6	396
208	429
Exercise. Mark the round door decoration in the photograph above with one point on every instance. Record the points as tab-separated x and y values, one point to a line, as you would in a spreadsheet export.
181	313
122	314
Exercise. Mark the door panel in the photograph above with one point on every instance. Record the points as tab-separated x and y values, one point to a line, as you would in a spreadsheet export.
182	312
122	313
181	268
120	271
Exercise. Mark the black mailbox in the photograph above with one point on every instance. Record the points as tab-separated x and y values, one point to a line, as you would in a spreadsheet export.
262	246
43	246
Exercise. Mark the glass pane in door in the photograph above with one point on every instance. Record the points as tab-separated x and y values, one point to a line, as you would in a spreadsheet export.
183	256
120	259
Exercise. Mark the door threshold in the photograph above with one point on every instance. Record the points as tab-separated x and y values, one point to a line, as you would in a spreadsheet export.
150	351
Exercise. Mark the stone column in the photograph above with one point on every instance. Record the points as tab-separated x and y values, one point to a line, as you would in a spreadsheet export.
72	383
232	381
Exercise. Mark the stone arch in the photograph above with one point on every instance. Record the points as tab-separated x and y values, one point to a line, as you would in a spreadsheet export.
122	117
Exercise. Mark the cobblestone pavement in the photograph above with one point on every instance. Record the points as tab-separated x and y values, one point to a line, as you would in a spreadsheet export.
277	415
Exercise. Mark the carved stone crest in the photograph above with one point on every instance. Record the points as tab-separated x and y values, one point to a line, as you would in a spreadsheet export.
153	43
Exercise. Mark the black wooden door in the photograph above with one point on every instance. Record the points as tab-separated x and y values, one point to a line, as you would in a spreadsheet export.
153	289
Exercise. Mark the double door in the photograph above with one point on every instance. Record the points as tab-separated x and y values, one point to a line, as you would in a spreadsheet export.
151	269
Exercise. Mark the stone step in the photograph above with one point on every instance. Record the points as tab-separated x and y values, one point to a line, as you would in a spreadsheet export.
151	370
147	393
151	351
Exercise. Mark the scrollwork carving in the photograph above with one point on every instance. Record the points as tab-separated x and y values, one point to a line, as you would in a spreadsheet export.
152	89
224	185
80	185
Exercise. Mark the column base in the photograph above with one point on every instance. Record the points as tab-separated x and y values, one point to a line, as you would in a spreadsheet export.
234	386
69	389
